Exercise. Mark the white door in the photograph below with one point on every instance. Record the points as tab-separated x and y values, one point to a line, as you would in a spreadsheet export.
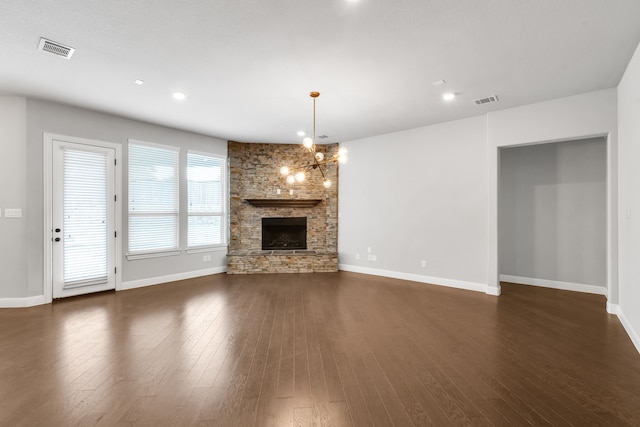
83	218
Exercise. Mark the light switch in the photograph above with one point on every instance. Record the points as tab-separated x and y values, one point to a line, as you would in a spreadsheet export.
13	213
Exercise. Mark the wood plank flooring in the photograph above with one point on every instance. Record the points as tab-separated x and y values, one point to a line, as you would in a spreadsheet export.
330	349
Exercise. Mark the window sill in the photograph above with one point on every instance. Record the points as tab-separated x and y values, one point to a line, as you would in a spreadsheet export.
207	249
147	255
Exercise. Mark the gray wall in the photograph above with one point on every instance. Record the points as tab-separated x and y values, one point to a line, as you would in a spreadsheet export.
13	190
417	195
24	185
552	211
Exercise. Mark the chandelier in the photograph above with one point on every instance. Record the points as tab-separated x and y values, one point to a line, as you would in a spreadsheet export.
318	160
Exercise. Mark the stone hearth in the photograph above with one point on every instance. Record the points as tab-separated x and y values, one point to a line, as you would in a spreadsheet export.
253	187
281	262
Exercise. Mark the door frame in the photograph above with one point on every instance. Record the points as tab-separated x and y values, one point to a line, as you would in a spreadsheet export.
611	284
47	144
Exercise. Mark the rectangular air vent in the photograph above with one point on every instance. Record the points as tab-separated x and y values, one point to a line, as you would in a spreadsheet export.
55	48
488	99
322	137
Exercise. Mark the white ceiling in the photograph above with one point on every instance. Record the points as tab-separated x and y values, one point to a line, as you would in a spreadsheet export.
247	66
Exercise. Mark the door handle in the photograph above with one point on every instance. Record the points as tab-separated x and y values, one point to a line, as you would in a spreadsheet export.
57	230
57	239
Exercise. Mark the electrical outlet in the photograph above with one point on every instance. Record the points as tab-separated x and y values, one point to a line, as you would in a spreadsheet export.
374	258
369	250
357	256
424	263
13	213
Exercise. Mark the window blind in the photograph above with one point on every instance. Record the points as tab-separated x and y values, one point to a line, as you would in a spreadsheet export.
85	218
205	175
153	198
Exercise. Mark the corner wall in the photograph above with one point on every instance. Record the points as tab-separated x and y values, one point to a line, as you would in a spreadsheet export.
431	193
629	135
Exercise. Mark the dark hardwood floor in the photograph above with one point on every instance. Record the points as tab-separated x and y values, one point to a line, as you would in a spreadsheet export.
336	349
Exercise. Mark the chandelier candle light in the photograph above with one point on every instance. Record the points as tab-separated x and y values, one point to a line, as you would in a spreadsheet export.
319	162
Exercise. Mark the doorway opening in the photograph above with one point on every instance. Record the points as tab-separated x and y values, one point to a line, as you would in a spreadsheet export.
552	215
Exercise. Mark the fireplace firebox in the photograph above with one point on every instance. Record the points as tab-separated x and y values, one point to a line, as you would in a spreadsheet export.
284	233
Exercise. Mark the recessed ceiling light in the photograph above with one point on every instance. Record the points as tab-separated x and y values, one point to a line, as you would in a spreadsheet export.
301	133
139	82
179	96
449	96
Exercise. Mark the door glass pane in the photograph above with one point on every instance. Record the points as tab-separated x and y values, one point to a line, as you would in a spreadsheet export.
85	217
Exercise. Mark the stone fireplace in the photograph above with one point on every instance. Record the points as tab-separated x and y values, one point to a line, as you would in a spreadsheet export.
259	195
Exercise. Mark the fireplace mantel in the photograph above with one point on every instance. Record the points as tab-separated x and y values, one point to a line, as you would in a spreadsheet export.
283	203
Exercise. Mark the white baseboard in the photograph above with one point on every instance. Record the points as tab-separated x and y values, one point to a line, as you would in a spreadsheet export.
555	284
132	284
451	283
40	299
22	302
633	334
613	308
495	291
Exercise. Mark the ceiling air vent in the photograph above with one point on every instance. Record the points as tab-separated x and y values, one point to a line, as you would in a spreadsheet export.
487	100
55	48
322	137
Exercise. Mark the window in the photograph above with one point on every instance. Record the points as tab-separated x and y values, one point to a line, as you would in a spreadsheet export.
206	201
153	198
